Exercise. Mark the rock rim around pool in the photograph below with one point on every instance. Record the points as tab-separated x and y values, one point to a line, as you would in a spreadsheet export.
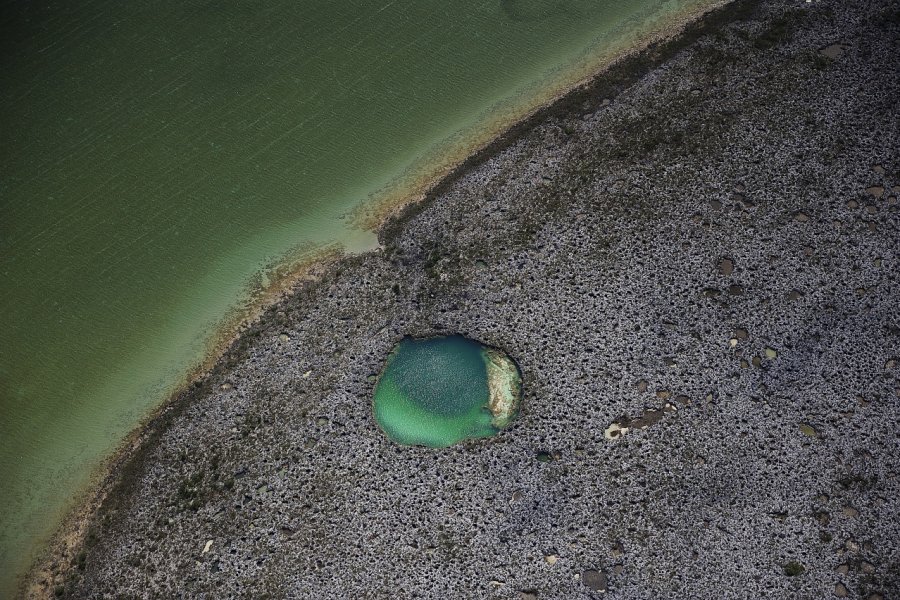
439	391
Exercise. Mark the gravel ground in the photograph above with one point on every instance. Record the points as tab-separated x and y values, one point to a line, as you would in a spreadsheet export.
701	250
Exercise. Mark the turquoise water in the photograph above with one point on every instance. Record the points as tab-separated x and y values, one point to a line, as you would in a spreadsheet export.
159	159
434	392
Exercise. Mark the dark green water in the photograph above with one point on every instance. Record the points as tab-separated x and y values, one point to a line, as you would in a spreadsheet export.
159	157
434	392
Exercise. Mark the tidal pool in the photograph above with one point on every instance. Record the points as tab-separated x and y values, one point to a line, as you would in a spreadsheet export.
439	391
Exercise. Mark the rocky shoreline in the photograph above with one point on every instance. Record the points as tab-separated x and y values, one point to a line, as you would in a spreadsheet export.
703	246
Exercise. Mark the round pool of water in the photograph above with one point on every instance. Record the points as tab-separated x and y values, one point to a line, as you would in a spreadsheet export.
439	391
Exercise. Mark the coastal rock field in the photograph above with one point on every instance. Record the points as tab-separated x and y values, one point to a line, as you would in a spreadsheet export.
695	262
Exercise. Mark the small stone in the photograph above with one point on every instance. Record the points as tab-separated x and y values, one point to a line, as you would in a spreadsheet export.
851	546
832	51
794	295
741	334
878	169
853	204
840	590
801	217
735	290
284	337
642	385
615	431
744	364
850	512
876	190
716	205
225	387
726	266
733	342
871	209
528	595
793	569
867	567
876	596
663	394
771	353
757	361
842	569
650	417
808	430
594	579
551	559
207	547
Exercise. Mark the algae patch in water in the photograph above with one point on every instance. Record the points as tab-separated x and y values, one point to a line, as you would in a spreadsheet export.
439	391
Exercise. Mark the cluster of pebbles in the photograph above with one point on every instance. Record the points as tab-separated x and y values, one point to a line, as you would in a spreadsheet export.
702	248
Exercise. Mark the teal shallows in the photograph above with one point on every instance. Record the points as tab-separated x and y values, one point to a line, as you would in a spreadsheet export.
436	392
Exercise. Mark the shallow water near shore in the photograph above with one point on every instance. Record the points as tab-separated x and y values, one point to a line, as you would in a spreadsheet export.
159	161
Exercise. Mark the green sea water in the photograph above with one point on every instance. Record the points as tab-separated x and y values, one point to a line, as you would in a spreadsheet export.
434	392
157	158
